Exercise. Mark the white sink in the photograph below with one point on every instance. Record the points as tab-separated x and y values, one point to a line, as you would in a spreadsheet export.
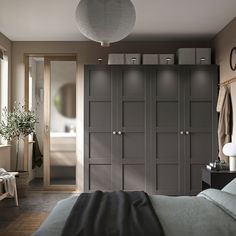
62	135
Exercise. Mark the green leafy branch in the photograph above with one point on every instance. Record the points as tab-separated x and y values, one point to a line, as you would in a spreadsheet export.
16	124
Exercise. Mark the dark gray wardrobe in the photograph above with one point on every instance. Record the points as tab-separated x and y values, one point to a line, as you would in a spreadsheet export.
149	128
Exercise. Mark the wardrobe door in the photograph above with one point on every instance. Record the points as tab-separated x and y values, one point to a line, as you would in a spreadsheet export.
167	130
133	131
200	123
99	121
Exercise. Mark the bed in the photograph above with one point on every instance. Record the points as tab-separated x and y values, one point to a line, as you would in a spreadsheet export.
210	213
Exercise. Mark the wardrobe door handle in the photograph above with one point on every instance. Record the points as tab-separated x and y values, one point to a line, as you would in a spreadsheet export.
114	132
119	133
187	132
181	132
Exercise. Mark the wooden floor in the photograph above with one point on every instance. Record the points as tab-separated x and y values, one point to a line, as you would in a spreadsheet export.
34	207
25	224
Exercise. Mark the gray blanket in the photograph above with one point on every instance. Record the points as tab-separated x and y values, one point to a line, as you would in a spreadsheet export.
211	213
196	216
224	200
116	213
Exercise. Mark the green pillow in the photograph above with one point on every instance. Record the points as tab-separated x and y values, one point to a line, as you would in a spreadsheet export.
230	187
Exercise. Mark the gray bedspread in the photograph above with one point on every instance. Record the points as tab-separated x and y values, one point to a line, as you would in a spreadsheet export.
211	213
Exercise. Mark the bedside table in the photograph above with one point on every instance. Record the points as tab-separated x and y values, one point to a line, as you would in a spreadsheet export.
216	179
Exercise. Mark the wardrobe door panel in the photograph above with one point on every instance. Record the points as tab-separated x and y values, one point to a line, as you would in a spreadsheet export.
100	177
200	124
167	86
167	114
133	114
167	179
200	147
134	146
200	114
195	176
100	145
100	114
100	84
167	147
166	124
133	84
99	123
132	122
201	85
134	177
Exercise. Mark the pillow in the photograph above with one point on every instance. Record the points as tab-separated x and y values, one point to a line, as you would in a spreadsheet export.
230	187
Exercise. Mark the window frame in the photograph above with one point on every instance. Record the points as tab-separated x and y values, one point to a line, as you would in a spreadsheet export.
4	83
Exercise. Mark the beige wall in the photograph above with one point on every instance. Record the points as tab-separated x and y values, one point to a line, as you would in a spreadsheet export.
87	52
223	43
6	44
5	160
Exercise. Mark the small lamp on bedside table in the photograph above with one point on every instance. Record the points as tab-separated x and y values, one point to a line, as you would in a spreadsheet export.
229	149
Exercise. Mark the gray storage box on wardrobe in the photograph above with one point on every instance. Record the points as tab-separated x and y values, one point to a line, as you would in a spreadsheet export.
186	56
116	59
133	58
167	59
203	55
150	59
149	128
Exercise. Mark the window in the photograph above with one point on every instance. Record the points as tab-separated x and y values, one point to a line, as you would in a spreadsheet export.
3	83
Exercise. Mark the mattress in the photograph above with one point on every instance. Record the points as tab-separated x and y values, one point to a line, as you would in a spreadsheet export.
210	213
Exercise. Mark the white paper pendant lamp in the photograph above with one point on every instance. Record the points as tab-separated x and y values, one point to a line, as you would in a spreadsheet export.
105	21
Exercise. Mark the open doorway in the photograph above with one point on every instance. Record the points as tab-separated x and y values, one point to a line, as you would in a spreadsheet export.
51	93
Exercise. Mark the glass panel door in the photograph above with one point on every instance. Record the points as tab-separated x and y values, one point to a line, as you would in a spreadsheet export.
60	120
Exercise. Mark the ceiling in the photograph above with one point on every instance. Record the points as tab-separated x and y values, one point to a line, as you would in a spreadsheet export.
54	20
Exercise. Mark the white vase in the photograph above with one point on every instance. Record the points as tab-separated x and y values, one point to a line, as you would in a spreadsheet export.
232	163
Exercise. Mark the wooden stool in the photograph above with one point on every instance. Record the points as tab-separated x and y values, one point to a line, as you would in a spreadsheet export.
4	195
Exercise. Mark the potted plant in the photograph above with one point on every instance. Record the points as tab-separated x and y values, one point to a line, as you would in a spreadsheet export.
17	124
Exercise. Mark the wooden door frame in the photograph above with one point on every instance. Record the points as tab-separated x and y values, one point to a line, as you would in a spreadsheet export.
48	57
